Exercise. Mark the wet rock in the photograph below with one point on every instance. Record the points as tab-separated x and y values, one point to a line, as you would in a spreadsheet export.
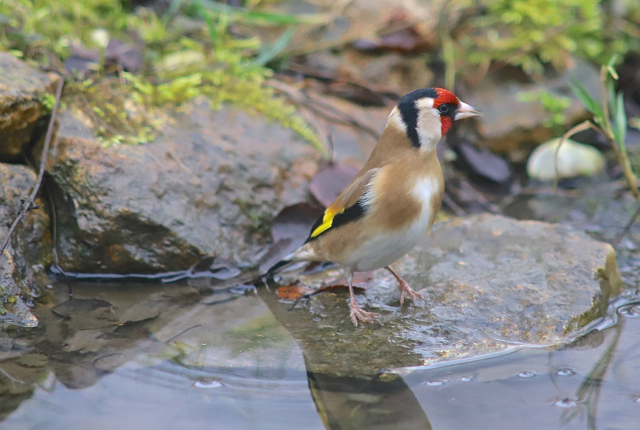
508	123
489	281
22	111
574	159
602	209
208	184
22	263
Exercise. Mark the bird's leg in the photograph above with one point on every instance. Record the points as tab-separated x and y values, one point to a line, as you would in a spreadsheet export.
357	314
404	287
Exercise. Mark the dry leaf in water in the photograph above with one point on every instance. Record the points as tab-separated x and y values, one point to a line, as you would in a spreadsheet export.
293	291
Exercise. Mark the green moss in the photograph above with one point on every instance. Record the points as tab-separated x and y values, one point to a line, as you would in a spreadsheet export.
533	34
554	104
48	101
183	58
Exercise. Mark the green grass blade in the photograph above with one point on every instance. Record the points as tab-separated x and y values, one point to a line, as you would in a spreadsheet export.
268	53
610	68
265	18
582	94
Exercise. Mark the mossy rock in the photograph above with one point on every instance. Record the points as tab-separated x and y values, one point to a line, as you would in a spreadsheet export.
25	96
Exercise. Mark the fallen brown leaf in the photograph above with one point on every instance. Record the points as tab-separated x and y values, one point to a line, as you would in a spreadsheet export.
293	292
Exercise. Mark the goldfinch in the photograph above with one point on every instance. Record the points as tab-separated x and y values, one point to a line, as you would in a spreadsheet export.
392	202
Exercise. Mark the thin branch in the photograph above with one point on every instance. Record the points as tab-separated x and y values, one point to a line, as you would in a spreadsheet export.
29	203
626	229
453	205
181	333
603	100
578	128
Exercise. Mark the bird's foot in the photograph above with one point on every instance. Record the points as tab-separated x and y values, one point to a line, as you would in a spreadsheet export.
357	314
405	288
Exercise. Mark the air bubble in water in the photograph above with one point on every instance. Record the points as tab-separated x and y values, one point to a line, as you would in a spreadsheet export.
566	403
435	383
565	372
207	383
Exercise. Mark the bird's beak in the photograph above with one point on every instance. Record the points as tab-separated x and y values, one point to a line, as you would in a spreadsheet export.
466	111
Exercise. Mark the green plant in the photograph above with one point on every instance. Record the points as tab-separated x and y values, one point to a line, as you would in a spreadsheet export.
184	58
609	119
44	25
532	34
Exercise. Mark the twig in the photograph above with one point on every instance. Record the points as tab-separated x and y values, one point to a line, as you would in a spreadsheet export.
29	203
491	207
626	229
453	205
578	128
181	333
320	107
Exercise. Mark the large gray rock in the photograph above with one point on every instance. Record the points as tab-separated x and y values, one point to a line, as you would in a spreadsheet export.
204	186
22	91
29	250
489	281
601	208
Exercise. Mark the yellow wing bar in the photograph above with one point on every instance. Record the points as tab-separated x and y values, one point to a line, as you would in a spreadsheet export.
327	221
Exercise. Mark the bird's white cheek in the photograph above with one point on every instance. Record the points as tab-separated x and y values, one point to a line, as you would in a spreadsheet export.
429	129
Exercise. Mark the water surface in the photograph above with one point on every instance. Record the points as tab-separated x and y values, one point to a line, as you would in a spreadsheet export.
178	356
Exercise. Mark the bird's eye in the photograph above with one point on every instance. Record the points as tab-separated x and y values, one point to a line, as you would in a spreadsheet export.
443	108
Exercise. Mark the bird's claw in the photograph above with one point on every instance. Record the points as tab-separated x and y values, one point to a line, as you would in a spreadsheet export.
357	314
405	288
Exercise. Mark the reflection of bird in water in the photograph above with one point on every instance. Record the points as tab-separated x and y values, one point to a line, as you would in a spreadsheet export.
392	202
356	403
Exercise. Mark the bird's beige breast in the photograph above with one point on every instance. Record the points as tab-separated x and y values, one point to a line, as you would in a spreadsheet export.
402	201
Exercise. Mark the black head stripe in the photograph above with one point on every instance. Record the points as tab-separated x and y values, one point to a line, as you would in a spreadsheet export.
409	111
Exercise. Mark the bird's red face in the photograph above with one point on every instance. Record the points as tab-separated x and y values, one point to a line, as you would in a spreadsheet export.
448	99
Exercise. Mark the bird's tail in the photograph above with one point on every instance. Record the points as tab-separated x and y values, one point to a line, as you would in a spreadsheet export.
278	267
